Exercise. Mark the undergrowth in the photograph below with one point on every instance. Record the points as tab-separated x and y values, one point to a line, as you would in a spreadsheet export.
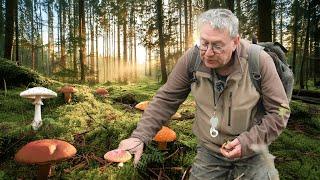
95	125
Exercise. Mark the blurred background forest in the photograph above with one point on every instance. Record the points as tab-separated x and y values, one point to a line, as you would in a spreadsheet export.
123	40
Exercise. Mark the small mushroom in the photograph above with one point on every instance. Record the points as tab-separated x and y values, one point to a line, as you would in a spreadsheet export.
38	93
142	105
176	116
67	91
102	92
43	153
164	136
118	155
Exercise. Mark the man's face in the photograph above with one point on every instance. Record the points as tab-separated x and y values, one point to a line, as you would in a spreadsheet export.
216	46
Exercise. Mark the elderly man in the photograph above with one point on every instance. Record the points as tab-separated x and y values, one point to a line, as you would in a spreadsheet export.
227	102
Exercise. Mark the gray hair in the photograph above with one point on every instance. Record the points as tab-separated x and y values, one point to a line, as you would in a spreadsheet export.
220	19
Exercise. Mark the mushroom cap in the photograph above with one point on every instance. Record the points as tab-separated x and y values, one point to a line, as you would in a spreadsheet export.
101	91
118	155
38	91
45	151
68	89
176	116
165	135
142	105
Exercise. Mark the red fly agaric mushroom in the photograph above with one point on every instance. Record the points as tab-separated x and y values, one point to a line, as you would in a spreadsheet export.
37	93
142	105
164	136
118	155
67	91
102	92
43	153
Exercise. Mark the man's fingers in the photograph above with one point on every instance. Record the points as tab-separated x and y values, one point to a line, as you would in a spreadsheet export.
137	157
231	145
235	153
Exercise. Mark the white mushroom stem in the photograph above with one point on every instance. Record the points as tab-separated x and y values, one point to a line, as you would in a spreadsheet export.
120	165
37	121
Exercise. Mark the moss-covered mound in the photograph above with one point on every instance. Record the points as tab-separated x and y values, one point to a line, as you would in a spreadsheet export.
13	75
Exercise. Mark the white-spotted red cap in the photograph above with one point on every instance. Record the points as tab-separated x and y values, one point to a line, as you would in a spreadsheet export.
44	151
118	155
38	91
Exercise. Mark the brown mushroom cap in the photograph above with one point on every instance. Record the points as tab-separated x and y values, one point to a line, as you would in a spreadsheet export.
118	155
44	151
142	105
101	91
176	116
165	135
68	89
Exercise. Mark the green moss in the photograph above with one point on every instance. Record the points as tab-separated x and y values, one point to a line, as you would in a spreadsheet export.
95	125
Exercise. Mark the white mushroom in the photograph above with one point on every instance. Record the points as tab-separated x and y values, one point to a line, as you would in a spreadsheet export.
37	93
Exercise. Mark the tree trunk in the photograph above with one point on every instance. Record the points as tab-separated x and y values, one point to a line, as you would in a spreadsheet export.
17	33
239	14
281	22
230	5
74	42
92	64
206	4
82	34
9	28
180	27
1	29
274	23
305	51
50	37
97	54
32	38
159	10
62	35
264	16
190	24
186	35
295	34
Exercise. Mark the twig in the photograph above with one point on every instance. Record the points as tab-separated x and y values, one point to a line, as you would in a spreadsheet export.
168	157
5	87
169	168
153	172
186	173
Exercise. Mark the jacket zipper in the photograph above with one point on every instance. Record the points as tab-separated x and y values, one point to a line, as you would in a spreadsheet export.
230	103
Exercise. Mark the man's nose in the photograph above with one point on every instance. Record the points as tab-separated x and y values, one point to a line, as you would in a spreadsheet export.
209	51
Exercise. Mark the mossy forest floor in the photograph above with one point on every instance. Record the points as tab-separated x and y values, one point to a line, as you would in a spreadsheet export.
95	125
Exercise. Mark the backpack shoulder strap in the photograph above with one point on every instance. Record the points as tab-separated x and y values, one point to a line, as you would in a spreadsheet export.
195	63
254	65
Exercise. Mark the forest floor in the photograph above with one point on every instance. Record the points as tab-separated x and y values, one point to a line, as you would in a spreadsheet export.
96	124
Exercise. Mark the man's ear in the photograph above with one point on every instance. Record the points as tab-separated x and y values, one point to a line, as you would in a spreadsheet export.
236	42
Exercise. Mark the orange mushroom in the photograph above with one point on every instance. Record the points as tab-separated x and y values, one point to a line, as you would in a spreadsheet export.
102	92
43	153
142	105
164	136
67	91
118	155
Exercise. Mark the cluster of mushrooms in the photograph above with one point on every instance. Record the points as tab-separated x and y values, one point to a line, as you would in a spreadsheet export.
46	152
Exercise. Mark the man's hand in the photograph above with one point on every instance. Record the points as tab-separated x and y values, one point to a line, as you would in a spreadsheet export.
231	149
134	146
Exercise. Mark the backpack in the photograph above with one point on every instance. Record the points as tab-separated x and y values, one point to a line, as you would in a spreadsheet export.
275	50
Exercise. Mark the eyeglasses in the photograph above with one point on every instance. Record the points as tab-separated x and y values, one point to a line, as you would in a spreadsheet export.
204	46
